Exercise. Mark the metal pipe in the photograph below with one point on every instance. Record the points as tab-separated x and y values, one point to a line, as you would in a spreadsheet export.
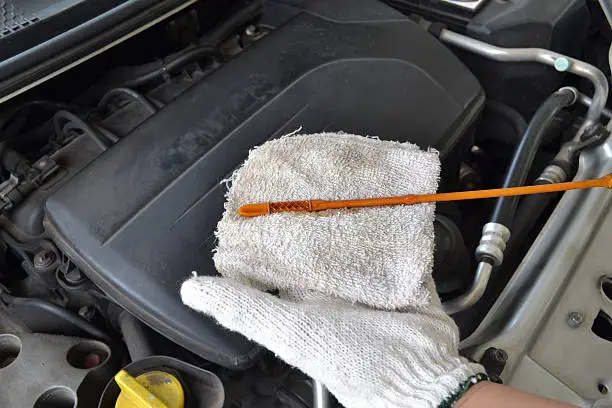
496	233
473	295
320	395
587	101
560	62
606	6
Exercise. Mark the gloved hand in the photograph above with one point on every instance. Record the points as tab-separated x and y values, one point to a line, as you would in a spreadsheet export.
358	309
366	357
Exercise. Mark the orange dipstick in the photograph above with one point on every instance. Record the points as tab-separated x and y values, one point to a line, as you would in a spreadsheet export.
255	210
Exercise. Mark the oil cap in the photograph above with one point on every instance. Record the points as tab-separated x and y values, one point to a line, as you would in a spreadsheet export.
162	382
153	389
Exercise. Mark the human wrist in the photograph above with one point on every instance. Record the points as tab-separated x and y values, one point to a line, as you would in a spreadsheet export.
465	391
467	400
487	394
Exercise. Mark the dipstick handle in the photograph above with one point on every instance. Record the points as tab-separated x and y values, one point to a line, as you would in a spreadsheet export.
254	210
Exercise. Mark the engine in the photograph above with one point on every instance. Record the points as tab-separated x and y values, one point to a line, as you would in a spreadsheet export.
112	192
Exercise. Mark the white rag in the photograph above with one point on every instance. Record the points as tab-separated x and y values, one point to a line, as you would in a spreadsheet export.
379	256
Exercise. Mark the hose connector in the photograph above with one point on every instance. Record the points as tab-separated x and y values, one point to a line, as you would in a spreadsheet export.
573	91
552	174
493	243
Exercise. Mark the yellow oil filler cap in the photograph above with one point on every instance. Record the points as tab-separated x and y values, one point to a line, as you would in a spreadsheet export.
155	389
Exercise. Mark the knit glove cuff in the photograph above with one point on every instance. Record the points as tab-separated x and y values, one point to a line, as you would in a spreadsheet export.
366	357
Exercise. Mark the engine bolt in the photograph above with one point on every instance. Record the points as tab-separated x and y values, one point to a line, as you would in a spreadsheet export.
251	31
500	356
44	259
575	319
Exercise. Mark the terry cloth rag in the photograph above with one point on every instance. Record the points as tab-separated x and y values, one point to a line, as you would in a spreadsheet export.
377	256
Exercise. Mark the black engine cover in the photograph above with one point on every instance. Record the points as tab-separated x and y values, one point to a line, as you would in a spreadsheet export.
141	217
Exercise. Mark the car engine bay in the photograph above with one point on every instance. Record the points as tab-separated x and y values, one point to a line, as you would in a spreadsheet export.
113	182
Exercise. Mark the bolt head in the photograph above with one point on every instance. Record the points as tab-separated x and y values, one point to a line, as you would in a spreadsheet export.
501	355
44	259
251	31
575	319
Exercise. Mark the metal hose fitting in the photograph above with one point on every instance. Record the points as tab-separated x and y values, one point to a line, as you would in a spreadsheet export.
493	243
552	174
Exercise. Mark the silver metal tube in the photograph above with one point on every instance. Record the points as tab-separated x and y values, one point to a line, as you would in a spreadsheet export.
587	101
560	62
606	6
473	295
320	395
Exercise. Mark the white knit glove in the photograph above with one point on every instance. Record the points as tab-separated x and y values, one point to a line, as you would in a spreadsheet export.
367	358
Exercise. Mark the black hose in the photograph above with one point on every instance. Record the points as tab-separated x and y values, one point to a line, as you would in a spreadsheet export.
8	115
133	77
526	151
527	215
60	312
132	94
77	123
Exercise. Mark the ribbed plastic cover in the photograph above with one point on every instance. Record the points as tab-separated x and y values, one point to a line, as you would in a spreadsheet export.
13	18
141	217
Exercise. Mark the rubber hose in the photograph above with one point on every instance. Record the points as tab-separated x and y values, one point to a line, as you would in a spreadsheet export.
9	114
65	116
132	77
524	154
131	94
137	76
60	312
527	215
